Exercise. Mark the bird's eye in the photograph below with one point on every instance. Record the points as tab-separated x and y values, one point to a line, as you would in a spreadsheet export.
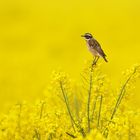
87	36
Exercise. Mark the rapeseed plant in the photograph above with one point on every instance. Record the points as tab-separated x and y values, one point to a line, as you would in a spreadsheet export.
82	111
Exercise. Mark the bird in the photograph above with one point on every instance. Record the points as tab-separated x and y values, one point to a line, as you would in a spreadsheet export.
94	47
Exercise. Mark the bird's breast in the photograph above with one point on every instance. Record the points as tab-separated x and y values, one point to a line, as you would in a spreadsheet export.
92	50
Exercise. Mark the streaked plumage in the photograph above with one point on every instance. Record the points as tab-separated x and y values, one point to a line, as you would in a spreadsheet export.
94	46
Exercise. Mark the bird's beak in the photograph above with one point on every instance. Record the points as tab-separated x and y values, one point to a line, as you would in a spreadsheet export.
82	36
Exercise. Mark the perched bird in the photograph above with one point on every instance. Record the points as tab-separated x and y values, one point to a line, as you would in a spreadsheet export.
94	47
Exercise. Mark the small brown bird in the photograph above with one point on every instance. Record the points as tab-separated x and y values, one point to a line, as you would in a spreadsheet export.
94	47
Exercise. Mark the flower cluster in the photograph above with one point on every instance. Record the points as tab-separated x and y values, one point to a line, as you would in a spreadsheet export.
85	111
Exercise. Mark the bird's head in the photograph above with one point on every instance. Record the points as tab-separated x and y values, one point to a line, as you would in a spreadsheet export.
87	36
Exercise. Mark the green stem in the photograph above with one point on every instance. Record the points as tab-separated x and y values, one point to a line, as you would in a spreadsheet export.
89	93
67	105
88	103
70	114
37	135
41	111
100	109
120	97
94	107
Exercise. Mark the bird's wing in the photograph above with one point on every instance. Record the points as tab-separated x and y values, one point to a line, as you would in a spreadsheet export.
97	47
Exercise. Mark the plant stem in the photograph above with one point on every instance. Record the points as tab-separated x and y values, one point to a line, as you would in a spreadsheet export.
67	105
37	135
94	107
41	111
100	109
69	111
89	93
120	97
88	103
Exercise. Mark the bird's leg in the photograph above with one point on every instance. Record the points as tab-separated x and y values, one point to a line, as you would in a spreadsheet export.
94	61
97	60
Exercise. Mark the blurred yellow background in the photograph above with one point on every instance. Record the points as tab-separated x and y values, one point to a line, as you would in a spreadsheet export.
37	37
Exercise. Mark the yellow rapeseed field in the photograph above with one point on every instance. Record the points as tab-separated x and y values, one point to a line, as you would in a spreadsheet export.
48	89
83	111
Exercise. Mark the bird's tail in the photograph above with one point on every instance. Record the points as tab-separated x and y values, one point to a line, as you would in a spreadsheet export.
105	59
